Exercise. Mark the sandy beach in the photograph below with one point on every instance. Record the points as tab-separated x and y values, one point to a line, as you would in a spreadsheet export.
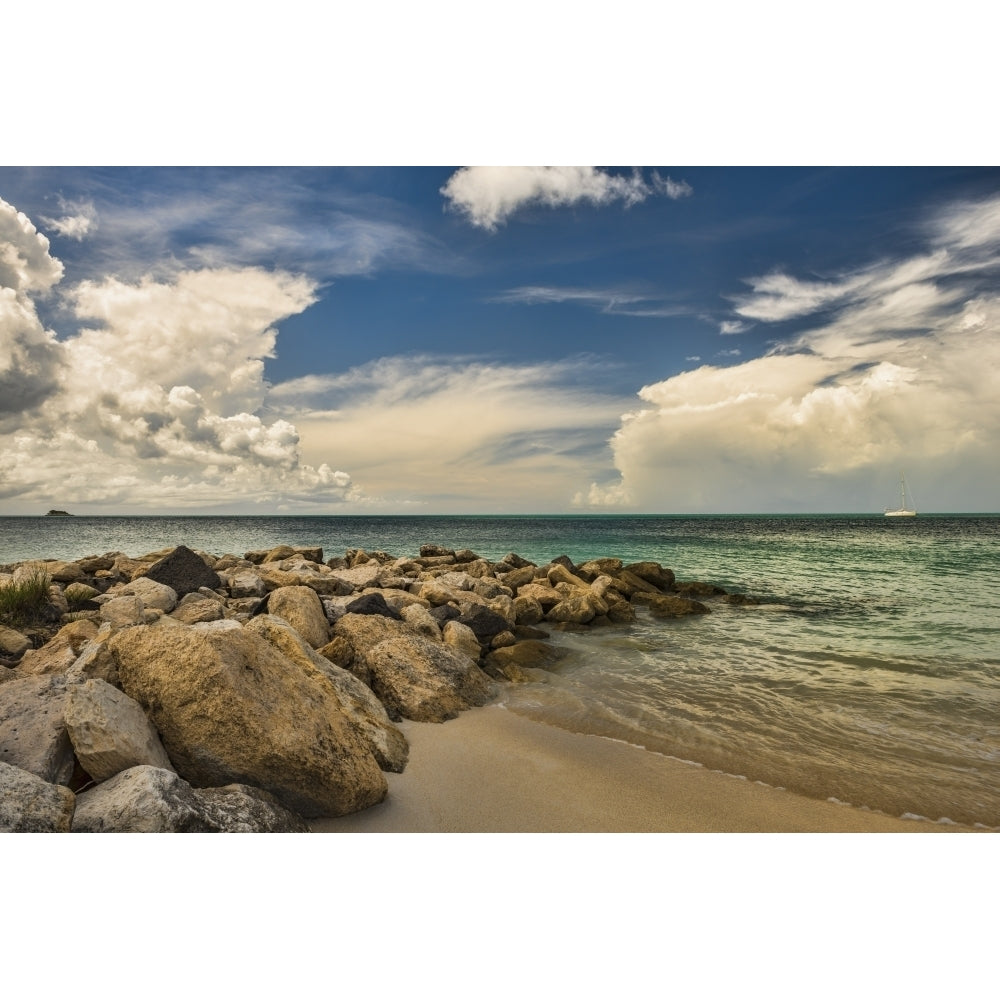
492	771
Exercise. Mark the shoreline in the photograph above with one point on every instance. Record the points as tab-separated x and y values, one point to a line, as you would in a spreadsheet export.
492	771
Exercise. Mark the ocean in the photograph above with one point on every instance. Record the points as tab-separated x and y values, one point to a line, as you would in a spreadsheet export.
869	673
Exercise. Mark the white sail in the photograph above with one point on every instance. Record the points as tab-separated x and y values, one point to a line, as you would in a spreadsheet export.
902	510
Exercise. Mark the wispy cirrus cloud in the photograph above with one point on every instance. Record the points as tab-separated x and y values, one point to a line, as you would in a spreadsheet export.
488	196
607	300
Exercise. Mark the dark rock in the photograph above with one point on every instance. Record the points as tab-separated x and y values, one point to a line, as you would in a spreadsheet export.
515	561
445	613
698	589
485	623
184	571
670	606
372	604
435	550
565	561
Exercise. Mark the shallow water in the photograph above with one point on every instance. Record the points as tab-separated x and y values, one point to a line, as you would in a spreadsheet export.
871	674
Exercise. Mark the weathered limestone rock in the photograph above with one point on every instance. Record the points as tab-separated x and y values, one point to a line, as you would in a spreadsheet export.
147	799
64	572
126	569
228	708
152	594
30	805
184	571
600	567
527	610
301	608
338	651
461	638
416	678
77	593
546	596
579	609
60	652
275	575
122	612
32	731
356	701
110	732
518	577
13	645
629	584
670	606
652	572
527	654
358	577
95	659
243	582
420	619
365	631
559	574
196	607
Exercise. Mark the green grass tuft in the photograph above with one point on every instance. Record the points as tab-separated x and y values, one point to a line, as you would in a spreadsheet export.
24	602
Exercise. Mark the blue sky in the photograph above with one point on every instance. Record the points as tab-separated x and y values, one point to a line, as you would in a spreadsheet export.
421	339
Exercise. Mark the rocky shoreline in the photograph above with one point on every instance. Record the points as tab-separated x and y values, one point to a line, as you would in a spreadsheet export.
183	692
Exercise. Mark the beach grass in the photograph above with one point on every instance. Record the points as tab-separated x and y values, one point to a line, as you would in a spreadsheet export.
22	602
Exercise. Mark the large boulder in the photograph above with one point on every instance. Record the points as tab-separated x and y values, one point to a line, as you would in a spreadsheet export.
652	572
417	678
230	707
356	700
109	731
511	661
147	799
303	610
195	607
30	805
32	729
184	571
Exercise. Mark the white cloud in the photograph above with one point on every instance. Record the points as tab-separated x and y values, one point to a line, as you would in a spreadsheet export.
461	434
901	371
30	356
157	402
620	302
78	219
488	196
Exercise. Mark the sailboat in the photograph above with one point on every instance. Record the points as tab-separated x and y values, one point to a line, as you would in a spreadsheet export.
902	511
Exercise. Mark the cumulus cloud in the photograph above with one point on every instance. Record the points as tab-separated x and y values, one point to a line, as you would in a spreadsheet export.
898	368
157	401
460	433
488	196
30	356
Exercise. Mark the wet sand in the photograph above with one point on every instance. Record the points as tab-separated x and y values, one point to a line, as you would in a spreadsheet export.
492	771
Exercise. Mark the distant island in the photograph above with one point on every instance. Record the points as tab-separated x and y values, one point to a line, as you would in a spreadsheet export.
58	513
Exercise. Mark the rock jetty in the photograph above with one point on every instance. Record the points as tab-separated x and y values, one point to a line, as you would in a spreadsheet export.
180	691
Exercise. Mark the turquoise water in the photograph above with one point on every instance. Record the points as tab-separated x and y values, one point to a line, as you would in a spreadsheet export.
870	674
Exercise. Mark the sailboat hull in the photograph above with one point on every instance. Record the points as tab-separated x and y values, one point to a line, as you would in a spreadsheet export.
900	513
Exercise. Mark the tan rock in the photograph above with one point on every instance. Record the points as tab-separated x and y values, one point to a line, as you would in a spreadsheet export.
230	707
302	609
109	731
420	619
197	608
427	681
13	645
670	606
60	652
356	701
461	638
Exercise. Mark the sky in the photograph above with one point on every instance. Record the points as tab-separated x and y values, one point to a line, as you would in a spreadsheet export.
664	339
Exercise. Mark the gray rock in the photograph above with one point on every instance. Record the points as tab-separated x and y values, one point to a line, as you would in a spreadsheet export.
32	730
147	799
30	805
